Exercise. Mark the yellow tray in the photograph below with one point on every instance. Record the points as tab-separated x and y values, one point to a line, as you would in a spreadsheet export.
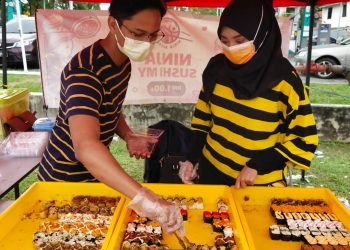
253	205
196	230
17	230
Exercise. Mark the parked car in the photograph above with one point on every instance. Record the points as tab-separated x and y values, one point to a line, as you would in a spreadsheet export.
13	42
330	54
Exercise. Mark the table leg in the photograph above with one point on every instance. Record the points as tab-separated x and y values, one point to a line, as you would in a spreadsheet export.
16	190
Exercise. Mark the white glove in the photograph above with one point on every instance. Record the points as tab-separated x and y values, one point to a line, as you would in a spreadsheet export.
148	204
188	172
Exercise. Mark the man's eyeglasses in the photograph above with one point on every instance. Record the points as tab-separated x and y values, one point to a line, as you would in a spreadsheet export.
142	37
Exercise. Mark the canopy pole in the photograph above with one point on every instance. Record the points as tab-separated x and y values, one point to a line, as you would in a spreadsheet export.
309	44
308	61
3	44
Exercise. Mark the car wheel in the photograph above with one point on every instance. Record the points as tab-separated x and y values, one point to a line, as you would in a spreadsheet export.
326	61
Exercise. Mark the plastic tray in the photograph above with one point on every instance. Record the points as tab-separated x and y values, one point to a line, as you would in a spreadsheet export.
196	230
253	205
17	230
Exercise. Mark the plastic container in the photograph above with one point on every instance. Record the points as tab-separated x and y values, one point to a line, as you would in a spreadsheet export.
143	141
196	230
17	228
25	144
253	206
13	102
44	124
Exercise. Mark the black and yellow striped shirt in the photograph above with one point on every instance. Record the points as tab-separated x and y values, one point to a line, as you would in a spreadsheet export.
91	84
241	132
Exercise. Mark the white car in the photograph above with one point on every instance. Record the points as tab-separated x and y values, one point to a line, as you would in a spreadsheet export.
331	54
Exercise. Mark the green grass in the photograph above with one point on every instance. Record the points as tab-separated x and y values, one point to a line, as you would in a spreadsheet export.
331	171
31	82
319	93
330	93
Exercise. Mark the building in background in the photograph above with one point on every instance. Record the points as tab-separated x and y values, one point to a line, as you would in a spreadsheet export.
338	16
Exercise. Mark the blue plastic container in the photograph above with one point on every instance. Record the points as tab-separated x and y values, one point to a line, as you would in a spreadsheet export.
43	124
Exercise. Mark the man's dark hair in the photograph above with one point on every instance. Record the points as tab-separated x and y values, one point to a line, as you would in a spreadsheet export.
125	9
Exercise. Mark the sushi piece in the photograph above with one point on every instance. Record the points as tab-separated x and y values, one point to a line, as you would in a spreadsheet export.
184	214
215	215
219	241
310	239
222	205
224	215
323	217
314	216
199	203
295	235
332	216
305	216
228	231
207	217
275	233
296	216
217	226
288	216
286	235
279	217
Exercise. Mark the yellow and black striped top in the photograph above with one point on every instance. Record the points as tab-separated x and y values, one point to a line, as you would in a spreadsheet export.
91	84
276	125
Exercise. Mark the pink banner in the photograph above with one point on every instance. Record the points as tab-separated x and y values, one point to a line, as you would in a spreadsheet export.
171	74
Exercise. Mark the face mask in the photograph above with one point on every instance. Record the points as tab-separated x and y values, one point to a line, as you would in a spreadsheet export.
242	53
134	49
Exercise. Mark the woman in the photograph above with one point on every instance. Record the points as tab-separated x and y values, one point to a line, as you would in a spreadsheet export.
253	116
93	87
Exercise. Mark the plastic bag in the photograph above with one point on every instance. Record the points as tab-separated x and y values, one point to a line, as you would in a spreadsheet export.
25	144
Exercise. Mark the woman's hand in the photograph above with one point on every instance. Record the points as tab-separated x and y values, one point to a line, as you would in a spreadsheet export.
148	204
246	177
188	172
140	146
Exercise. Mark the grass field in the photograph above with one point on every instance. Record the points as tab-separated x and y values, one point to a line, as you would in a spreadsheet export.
329	169
319	93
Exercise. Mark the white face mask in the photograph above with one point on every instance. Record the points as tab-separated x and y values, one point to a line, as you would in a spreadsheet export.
134	49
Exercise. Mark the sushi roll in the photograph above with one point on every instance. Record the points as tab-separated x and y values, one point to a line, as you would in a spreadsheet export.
286	235
296	216
184	214
228	231
199	203
275	233
314	216
224	215
288	216
295	235
323	217
215	215
217	226
310	239
279	217
222	205
219	241
332	216
207	217
305	216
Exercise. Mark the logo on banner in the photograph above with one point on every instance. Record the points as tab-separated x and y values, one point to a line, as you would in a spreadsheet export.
86	27
171	30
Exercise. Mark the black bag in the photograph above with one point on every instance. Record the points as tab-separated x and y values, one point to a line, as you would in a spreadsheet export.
169	168
172	147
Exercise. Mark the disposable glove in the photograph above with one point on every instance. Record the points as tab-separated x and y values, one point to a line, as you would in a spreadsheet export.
188	172
148	204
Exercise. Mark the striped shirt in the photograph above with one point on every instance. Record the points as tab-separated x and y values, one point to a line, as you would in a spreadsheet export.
91	84
239	131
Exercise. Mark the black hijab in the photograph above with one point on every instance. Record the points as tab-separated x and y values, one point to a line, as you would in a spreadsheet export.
268	66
